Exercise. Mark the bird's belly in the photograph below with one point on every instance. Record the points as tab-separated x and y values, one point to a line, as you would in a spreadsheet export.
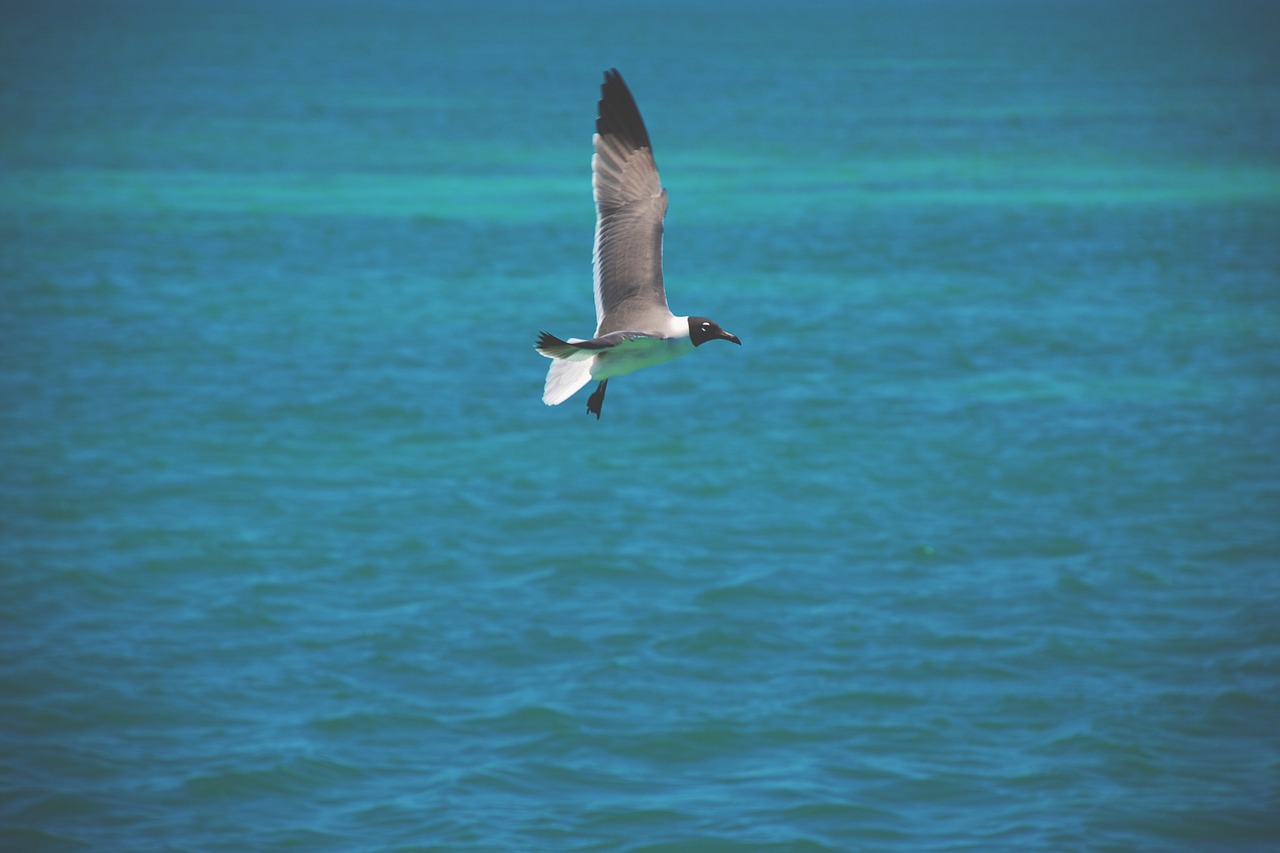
638	353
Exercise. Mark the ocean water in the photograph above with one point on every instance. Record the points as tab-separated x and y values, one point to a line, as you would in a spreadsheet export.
974	544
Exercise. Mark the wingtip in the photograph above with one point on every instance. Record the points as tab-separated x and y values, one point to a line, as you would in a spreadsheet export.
546	339
618	114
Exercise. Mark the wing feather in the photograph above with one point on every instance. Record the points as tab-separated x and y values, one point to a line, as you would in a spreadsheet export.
630	206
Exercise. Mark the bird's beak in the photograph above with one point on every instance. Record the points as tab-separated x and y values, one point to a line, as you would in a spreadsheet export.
729	337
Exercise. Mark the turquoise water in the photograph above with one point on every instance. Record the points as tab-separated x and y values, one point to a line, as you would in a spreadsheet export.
974	544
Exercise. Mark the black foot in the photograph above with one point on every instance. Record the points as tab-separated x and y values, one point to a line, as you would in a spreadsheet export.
596	400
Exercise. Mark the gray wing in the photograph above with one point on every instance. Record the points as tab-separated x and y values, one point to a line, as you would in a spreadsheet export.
630	204
552	347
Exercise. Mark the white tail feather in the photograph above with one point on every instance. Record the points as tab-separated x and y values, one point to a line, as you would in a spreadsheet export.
564	379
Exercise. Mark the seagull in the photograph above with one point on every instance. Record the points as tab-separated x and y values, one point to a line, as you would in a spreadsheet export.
634	326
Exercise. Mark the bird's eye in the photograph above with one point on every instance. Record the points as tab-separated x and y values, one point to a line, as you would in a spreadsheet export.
706	327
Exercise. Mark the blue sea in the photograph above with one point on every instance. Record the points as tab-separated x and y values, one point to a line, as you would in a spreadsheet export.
974	544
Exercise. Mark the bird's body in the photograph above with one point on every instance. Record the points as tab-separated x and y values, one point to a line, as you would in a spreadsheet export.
634	326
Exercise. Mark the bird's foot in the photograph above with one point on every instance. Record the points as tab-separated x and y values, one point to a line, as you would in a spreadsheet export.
596	400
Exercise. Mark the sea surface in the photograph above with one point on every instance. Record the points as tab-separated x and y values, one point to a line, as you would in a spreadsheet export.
974	544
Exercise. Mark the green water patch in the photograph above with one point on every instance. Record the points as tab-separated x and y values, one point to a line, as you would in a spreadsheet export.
435	196
701	191
975	182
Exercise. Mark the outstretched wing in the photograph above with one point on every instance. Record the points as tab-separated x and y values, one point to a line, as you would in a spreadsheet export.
630	205
576	350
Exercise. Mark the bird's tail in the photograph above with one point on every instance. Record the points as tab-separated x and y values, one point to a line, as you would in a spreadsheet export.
570	368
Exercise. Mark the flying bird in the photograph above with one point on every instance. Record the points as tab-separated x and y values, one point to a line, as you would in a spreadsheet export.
634	326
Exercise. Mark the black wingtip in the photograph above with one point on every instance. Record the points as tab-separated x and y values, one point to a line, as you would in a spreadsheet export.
618	114
549	344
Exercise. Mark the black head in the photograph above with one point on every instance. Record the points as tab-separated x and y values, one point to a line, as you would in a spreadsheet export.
702	330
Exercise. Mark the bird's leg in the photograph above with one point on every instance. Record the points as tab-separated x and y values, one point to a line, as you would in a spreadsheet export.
596	400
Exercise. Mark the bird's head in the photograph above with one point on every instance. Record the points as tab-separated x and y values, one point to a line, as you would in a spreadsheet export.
702	330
